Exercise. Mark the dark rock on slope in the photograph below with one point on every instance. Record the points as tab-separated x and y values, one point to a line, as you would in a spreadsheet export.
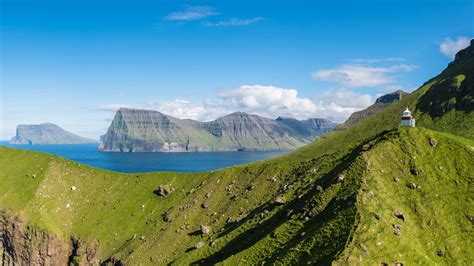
379	105
149	131
46	133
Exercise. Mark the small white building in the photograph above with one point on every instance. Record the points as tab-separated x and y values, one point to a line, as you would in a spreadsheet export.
407	119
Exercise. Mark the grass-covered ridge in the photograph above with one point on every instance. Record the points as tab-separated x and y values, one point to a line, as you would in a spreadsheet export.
436	202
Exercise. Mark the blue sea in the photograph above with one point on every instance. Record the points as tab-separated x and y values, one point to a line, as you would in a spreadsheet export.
149	161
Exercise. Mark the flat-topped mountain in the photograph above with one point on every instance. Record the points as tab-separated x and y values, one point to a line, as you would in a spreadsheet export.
46	133
381	103
134	130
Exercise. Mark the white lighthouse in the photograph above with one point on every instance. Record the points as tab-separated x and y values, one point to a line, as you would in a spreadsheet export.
407	119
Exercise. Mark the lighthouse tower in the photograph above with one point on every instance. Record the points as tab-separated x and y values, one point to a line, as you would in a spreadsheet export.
407	119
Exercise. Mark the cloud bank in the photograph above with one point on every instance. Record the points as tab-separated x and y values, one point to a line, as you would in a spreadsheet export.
362	75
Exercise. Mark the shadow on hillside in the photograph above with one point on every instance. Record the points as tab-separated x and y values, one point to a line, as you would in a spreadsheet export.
295	207
446	95
335	210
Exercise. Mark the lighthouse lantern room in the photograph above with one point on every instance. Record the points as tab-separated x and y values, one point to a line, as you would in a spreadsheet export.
407	119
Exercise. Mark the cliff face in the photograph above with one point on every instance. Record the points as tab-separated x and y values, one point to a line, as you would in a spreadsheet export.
381	103
150	131
21	245
46	133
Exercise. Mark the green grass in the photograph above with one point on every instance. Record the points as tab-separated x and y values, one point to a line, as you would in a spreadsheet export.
437	214
108	206
105	205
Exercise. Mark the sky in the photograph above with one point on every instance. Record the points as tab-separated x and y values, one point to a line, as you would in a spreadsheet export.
74	63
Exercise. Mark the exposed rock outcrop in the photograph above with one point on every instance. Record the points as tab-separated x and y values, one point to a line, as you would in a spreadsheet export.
20	245
23	245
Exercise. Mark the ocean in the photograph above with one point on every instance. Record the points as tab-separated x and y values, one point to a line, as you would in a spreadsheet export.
149	161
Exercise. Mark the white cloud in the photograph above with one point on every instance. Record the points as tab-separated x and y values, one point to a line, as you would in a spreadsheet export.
234	22
338	105
182	109
178	108
346	98
115	106
362	75
200	12
450	47
377	60
268	101
191	13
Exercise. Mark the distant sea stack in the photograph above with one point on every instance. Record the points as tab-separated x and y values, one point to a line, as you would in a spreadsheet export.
379	105
135	130
46	133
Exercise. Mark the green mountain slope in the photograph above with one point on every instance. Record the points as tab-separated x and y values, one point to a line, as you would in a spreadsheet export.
436	202
314	222
332	201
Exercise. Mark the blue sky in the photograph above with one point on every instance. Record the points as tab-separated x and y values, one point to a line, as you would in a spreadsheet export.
74	63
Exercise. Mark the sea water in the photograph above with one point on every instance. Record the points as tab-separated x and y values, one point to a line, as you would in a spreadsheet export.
149	161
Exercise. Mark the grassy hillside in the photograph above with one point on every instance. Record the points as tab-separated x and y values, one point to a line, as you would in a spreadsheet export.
437	202
315	224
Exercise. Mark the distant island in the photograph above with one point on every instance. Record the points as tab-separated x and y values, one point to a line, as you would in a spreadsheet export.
134	130
46	133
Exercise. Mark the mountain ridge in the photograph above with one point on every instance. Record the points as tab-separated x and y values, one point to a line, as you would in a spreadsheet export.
138	130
